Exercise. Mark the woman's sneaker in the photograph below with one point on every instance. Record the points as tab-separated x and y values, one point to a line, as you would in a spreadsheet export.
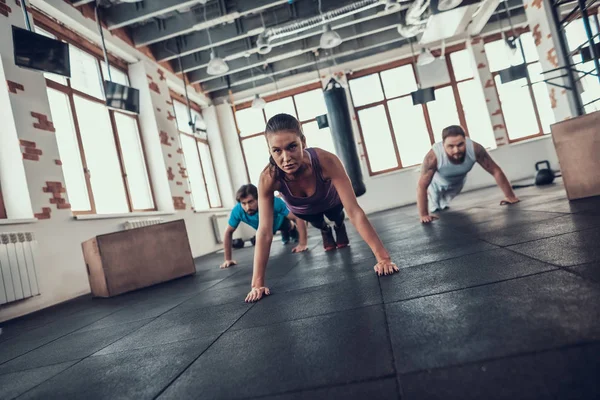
328	240
341	236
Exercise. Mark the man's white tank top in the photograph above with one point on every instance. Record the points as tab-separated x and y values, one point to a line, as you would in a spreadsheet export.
449	174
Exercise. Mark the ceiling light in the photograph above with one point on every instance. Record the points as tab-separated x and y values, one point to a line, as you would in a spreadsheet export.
445	5
216	65
258	102
262	44
329	38
425	57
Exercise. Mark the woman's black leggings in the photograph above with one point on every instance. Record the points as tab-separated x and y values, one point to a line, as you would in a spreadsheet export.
335	215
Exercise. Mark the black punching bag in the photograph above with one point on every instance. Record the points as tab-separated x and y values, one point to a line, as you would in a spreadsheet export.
341	132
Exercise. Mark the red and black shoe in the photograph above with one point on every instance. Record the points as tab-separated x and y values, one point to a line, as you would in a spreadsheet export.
328	240
341	236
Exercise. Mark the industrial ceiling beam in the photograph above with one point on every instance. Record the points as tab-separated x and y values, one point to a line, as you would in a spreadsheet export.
310	44
189	22
125	14
198	41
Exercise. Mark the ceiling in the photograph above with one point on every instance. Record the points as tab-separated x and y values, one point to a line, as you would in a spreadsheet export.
292	28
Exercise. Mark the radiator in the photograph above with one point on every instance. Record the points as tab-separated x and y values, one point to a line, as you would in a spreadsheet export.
18	276
142	222
219	222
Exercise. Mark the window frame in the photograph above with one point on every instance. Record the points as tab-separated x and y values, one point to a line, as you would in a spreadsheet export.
181	99
247	104
494	38
70	92
400	63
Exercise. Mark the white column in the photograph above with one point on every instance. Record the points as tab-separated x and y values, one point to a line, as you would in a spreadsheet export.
485	79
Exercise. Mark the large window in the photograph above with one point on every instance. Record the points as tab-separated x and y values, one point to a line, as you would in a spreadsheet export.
306	104
397	134
198	158
525	102
101	150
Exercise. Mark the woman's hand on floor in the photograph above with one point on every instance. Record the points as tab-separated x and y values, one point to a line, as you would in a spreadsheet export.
300	248
257	293
509	200
228	263
429	218
385	267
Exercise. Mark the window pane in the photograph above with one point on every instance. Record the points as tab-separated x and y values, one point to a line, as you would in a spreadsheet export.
194	170
53	77
85	75
462	64
250	121
378	138
285	105
410	129
257	155
575	33
182	117
529	47
117	75
366	90
517	107
310	104
200	123
101	156
476	113
209	175
442	111
316	137
542	99
399	81
500	56
68	148
135	164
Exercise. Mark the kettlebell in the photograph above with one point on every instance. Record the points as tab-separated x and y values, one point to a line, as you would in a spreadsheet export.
543	176
237	243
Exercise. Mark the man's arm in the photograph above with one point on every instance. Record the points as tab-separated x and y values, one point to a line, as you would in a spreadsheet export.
302	234
427	171
486	162
227	238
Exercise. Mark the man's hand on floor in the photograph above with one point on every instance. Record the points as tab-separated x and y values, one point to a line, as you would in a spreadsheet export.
509	200
428	218
228	263
257	293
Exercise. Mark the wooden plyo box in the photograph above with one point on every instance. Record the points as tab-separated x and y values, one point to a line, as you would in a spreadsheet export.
577	143
123	261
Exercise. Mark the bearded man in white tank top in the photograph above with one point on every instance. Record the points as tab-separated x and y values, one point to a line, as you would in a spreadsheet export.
445	169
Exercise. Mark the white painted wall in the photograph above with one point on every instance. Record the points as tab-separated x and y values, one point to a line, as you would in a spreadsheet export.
60	266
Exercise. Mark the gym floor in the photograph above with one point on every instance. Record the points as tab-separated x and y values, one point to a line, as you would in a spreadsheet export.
490	303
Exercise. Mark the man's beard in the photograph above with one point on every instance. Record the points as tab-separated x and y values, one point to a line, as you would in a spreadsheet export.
459	158
251	212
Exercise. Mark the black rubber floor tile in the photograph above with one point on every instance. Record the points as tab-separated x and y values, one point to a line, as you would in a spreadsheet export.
564	250
345	295
136	374
137	312
540	230
34	338
417	255
459	273
213	297
589	271
384	389
75	346
302	278
326	350
17	383
207	322
567	374
527	314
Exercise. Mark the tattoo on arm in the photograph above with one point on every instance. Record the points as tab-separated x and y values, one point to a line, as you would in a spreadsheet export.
484	159
429	167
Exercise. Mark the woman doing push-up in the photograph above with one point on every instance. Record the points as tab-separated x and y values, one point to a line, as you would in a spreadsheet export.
314	184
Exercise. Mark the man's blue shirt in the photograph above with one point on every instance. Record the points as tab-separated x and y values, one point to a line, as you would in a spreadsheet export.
280	211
